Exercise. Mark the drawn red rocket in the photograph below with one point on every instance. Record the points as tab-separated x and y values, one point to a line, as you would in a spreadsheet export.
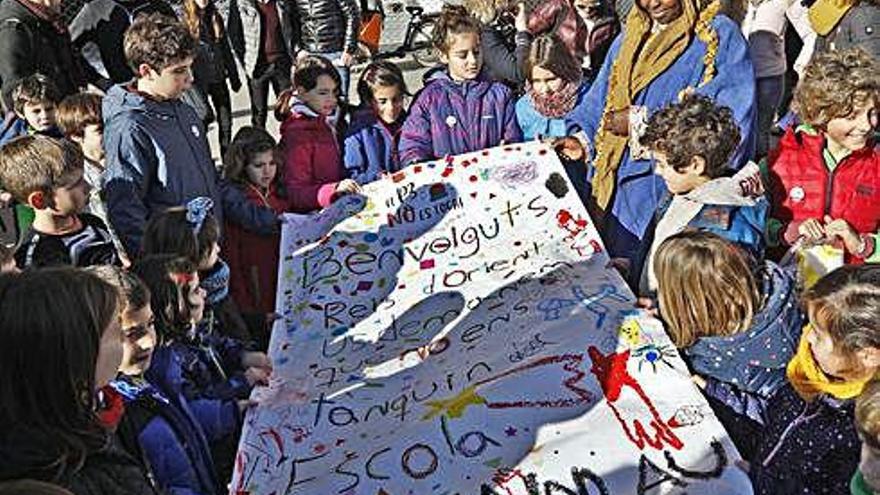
610	370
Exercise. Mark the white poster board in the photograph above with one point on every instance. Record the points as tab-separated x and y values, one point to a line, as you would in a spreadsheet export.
456	330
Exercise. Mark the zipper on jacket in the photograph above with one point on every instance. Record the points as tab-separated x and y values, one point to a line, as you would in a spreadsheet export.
802	418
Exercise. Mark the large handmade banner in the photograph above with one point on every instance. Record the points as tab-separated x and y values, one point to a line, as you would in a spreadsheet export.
456	330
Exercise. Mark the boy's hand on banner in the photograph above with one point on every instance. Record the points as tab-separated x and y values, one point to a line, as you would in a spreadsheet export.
255	359
244	405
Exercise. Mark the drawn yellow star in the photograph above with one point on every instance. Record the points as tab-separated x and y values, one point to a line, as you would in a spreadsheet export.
454	406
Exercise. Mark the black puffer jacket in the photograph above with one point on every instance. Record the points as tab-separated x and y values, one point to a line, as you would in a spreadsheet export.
110	471
30	44
326	26
103	22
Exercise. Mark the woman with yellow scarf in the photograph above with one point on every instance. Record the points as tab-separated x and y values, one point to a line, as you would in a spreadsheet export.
809	442
667	48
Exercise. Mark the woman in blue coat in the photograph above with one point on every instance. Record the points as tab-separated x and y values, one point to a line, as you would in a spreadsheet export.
668	48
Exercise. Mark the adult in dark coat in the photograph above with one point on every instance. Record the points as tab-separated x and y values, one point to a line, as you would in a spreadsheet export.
329	28
101	24
505	40
34	38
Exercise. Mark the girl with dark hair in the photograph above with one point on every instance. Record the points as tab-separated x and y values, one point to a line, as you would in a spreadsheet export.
252	164
554	87
49	428
215	374
192	231
214	63
313	171
371	145
158	422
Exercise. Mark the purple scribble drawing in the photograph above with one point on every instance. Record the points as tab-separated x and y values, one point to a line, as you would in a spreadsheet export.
516	174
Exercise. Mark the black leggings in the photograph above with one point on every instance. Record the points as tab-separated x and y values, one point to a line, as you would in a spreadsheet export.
222	104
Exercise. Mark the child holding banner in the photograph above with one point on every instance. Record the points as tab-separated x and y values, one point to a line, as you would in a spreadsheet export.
691	143
215	375
809	443
458	111
157	422
737	325
374	135
252	164
313	171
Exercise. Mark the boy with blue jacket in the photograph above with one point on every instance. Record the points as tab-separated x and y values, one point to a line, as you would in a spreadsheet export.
156	147
692	143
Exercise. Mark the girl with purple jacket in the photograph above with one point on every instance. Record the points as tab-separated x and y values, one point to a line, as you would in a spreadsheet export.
459	111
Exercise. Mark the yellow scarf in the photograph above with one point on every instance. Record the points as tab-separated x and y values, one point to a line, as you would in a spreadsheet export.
809	380
641	59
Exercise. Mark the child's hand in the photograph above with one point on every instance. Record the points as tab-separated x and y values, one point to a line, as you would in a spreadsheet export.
257	376
348	186
699	381
811	230
852	241
254	359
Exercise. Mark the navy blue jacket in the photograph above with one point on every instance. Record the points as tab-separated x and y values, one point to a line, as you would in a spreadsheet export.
371	146
169	437
158	157
743	371
806	447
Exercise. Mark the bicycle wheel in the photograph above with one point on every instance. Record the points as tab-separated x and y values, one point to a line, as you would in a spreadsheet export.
422	46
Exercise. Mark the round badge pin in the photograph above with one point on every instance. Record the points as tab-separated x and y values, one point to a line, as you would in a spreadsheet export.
195	130
451	121
797	194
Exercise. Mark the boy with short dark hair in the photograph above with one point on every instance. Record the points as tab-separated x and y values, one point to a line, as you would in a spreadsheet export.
34	100
47	175
157	151
692	143
79	119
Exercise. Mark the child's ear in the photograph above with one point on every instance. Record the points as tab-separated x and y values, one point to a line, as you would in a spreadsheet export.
444	59
869	357
144	70
37	200
698	165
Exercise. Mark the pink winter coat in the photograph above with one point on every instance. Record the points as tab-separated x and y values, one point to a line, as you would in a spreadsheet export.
312	159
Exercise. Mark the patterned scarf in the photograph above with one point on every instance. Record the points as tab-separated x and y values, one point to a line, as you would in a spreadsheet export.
216	283
644	55
556	104
809	380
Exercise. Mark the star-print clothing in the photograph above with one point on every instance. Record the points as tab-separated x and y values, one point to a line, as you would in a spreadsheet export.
451	118
89	245
805	447
743	371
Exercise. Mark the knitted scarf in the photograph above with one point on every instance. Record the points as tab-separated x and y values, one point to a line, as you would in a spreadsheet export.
556	104
644	56
808	379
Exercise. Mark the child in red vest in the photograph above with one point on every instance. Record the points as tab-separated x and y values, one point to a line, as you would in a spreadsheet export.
824	178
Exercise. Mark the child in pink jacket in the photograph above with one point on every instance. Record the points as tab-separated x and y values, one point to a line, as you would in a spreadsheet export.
313	171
